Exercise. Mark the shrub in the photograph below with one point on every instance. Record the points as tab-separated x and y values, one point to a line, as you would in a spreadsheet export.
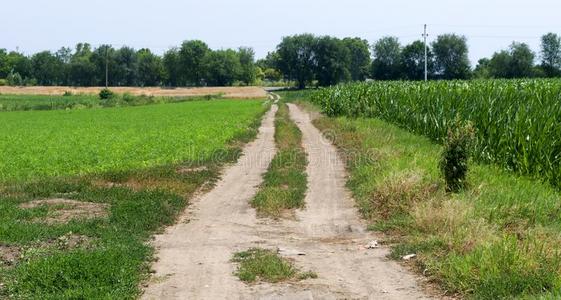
128	98
14	79
3	82
106	94
457	150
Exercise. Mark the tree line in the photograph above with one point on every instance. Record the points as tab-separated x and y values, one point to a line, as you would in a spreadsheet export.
305	59
191	64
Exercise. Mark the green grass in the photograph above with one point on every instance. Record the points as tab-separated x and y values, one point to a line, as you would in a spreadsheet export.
284	185
292	95
60	143
141	201
10	102
116	260
499	239
265	265
516	121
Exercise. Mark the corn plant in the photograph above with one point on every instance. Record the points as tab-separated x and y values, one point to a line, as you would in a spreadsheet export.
517	121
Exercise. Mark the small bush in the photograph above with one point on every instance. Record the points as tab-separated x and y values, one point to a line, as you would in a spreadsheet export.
14	79
106	94
128	98
3	82
457	151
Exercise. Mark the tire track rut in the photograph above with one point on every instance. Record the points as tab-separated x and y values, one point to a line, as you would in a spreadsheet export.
194	258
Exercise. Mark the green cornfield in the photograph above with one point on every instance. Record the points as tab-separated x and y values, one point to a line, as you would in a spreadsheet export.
518	122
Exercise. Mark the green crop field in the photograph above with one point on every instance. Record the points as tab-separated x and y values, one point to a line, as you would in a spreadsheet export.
517	121
59	143
82	191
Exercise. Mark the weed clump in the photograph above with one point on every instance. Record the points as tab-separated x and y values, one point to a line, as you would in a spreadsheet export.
456	154
106	94
258	264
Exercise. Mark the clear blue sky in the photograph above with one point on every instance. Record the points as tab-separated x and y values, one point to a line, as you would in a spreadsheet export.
489	25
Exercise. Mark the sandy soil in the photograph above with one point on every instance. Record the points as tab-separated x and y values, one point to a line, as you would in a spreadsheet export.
65	210
229	92
194	255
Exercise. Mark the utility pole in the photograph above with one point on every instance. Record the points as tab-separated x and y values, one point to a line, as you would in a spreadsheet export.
425	35
106	67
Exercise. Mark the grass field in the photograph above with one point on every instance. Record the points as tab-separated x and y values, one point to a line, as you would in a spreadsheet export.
285	182
60	143
88	188
499	239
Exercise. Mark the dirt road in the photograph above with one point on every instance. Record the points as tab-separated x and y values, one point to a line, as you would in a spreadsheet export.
194	256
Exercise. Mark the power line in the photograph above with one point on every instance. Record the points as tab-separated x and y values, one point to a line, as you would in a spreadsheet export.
425	35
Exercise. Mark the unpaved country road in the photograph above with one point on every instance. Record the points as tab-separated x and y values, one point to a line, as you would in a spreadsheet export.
194	257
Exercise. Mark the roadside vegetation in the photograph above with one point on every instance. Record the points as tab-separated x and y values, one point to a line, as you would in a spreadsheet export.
516	122
265	265
284	185
495	238
83	101
69	237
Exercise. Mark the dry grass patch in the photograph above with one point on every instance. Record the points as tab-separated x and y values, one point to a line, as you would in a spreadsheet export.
65	210
228	92
397	194
187	170
174	185
9	255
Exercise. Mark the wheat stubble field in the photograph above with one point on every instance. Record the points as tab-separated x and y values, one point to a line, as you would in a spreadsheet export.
227	92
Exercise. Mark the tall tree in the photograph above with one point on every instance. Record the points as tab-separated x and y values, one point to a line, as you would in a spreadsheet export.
192	56
387	58
126	67
104	57
359	58
499	65
516	62
82	69
522	62
247	62
172	69
223	67
5	67
20	64
297	59
271	61
333	59
451	56
150	68
47	68
482	70
64	54
413	61
551	54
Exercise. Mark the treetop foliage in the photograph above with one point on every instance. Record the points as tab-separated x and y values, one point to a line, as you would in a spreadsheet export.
305	59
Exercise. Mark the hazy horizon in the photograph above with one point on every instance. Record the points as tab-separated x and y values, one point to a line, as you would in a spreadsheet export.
489	26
